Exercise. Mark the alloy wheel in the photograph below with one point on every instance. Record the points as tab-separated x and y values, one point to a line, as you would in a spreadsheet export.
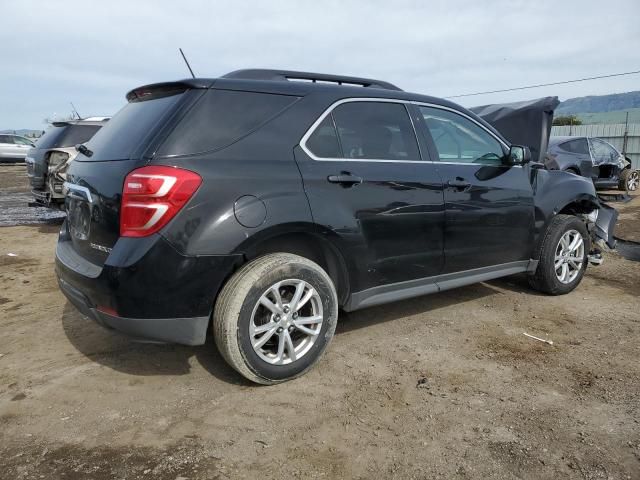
633	181
569	258
286	322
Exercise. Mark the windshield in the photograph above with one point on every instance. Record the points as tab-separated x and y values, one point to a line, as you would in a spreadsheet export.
130	128
66	135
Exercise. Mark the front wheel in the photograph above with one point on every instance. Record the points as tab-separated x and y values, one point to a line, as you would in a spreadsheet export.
562	256
275	317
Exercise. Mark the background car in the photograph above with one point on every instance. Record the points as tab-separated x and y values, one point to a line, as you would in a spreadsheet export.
592	158
14	148
48	160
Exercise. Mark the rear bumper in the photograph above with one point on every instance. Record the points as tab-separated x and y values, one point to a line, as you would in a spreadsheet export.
145	289
187	331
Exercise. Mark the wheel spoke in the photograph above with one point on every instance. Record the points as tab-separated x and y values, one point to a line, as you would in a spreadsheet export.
289	344
293	304
273	307
308	320
576	262
280	354
276	294
576	243
258	329
564	273
265	338
310	293
559	261
306	330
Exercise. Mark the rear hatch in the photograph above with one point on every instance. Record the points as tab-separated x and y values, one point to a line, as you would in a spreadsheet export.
95	179
59	135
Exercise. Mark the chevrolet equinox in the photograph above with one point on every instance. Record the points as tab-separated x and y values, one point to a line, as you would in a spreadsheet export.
256	205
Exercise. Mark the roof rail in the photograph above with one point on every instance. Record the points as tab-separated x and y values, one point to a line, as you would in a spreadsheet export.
288	75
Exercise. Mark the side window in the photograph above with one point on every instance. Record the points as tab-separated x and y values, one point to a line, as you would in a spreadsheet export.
578	145
460	140
6	139
220	118
602	152
376	131
323	142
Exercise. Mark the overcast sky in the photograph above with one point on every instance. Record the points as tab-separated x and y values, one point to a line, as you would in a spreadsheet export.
93	52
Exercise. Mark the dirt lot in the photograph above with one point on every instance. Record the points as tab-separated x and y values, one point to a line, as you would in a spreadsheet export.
443	386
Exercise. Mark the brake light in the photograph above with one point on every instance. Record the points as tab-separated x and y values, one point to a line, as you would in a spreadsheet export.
152	196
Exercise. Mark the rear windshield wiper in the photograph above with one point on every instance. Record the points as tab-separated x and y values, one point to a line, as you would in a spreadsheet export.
84	150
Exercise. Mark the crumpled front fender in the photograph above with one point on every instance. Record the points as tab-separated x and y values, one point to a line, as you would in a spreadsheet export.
605	225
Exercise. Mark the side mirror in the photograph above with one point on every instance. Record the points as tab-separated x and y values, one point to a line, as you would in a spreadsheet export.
519	155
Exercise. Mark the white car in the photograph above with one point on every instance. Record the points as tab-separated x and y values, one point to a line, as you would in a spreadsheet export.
14	148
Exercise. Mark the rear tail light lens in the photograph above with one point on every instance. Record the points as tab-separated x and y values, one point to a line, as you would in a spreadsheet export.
152	196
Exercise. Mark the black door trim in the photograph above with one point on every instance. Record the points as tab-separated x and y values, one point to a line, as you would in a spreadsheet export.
423	286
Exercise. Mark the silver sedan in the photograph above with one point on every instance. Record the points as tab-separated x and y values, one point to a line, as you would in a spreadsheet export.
14	148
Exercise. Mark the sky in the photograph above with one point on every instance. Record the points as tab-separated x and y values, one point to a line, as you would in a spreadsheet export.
92	52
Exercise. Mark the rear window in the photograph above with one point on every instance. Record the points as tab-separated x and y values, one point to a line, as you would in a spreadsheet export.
222	117
129	128
67	135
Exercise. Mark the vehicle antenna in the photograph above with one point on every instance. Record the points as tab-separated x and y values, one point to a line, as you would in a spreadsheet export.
75	111
187	62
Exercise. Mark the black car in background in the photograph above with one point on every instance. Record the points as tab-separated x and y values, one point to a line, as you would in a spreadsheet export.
48	161
262	202
592	158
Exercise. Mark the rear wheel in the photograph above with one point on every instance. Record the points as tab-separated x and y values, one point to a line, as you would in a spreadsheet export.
629	180
275	317
562	256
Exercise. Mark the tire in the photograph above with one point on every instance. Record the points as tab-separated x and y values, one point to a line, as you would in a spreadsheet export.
629	180
546	278
241	308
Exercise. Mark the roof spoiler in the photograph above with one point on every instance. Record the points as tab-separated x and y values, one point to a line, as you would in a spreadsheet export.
288	75
165	89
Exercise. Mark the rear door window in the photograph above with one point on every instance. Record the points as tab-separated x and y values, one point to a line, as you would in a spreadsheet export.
602	152
6	139
375	131
323	142
578	146
220	118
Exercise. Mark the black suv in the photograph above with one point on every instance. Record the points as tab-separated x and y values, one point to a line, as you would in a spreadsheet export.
262	202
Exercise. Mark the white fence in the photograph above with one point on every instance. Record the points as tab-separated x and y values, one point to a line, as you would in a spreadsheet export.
613	133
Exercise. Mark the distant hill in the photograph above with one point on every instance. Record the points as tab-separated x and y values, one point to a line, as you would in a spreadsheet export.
600	103
617	116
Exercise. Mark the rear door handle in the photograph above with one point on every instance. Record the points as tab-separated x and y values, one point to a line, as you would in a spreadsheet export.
459	184
344	179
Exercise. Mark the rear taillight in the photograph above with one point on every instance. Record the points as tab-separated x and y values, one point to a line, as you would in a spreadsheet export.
152	196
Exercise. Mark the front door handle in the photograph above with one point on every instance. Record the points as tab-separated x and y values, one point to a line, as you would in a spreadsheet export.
458	184
345	178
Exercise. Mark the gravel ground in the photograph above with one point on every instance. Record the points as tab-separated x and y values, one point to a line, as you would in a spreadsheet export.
442	386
